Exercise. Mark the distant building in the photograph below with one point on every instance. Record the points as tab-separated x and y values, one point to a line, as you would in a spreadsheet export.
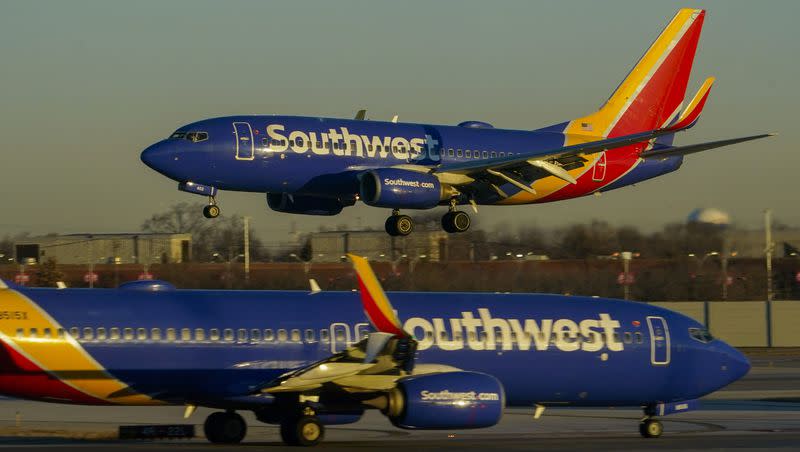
106	248
331	246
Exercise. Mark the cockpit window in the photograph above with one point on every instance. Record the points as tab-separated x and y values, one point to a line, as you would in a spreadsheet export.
197	136
701	334
191	136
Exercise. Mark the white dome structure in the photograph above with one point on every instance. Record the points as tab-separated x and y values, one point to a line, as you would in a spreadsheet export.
710	215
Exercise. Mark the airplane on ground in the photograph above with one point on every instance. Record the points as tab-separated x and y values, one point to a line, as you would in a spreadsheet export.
305	360
318	166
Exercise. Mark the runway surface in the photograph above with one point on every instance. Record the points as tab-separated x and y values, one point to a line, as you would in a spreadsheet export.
762	411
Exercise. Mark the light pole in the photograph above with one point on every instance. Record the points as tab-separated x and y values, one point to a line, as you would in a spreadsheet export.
306	264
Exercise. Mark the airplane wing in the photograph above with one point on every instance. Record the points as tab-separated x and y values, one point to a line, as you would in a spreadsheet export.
522	170
375	363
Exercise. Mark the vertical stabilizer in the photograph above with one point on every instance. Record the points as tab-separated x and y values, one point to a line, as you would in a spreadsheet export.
651	95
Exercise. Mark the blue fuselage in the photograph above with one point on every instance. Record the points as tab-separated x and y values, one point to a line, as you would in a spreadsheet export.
209	347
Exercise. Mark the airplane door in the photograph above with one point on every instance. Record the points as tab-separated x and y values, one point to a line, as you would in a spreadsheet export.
340	337
599	169
244	140
659	341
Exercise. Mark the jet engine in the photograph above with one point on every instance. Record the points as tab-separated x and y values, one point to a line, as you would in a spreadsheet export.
401	189
447	400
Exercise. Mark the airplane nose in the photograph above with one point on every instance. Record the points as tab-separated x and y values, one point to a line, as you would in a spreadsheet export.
735	363
161	157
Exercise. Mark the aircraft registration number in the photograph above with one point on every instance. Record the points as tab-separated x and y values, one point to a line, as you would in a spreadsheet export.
13	315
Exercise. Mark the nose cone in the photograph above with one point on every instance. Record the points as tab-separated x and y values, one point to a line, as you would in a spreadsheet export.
738	364
159	157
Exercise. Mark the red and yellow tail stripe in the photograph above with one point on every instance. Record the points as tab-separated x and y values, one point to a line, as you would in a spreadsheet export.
373	298
82	378
654	88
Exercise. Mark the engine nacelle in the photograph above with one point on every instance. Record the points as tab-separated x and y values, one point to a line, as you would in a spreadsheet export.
306	205
448	400
401	189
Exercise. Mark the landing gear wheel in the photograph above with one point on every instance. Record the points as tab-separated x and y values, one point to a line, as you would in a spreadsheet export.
456	221
211	211
399	225
651	428
225	428
302	431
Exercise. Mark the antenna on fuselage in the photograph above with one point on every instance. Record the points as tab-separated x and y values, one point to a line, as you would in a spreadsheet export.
361	115
314	286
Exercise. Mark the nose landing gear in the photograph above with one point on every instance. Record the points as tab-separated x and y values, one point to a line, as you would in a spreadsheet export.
650	428
212	209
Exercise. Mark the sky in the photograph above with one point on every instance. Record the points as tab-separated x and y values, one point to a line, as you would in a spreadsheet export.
86	85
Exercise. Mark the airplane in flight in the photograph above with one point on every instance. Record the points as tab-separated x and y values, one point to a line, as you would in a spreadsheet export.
319	166
304	360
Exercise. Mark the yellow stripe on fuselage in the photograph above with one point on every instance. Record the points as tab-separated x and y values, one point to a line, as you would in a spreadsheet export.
62	356
549	185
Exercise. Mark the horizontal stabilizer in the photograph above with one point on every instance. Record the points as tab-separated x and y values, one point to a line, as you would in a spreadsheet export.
692	111
692	148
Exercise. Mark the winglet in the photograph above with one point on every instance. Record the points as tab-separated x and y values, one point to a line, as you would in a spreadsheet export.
376	304
692	111
3	284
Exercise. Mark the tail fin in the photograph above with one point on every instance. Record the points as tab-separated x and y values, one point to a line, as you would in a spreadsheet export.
651	95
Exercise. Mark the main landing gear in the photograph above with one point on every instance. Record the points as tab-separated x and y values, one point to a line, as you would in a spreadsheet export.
397	224
225	427
455	220
302	429
212	209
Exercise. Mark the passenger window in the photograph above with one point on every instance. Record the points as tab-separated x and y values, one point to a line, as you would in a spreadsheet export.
242	335
616	336
494	154
450	152
214	334
468	154
638	337
295	335
75	332
460	153
88	333
171	336
485	154
265	142
113	334
339	335
199	334
310	336
141	334
502	154
186	334
269	335
34	332
282	335
20	332
628	337
477	154
255	335
324	335
227	333
128	333
155	334
47	333
336	145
